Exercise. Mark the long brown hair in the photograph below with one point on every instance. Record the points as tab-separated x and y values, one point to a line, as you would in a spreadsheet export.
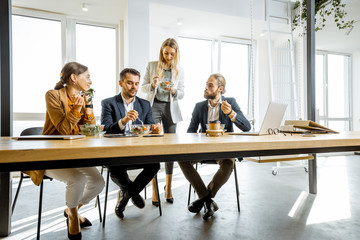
67	70
170	42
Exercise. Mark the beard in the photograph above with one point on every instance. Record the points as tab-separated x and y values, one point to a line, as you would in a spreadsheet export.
209	95
129	93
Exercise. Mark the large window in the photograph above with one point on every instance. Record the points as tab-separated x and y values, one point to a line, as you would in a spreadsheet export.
195	59
38	59
234	65
100	60
202	57
333	91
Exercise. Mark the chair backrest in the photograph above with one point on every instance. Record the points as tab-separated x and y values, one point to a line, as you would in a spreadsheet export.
32	131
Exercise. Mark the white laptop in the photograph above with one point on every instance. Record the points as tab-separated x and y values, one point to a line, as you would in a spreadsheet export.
48	137
273	117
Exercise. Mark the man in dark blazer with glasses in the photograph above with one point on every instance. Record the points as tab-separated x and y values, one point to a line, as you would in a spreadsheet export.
215	108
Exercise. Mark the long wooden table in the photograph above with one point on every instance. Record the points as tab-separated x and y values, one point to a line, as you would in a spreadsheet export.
95	151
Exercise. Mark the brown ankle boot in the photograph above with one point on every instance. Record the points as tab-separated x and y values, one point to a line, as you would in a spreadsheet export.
155	200
168	194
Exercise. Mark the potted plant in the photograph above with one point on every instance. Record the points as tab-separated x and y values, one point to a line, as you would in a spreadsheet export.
323	9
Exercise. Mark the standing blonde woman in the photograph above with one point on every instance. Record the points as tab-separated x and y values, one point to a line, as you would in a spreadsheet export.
164	86
66	108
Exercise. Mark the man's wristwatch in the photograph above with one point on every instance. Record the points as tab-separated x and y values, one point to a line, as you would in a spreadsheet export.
230	112
89	106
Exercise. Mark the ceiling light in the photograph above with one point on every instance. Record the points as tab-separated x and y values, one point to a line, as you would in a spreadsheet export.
262	33
180	21
85	7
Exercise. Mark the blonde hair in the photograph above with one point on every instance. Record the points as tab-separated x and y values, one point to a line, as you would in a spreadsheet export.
220	81
170	42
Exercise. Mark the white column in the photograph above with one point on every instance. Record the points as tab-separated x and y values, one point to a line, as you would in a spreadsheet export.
137	35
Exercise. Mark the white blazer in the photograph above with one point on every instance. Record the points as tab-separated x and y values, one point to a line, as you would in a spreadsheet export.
150	92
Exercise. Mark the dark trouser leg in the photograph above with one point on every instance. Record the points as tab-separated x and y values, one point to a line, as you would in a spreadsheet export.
149	171
169	127
161	113
169	166
221	176
194	178
120	177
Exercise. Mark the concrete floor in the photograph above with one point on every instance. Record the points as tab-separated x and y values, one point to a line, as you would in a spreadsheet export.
272	207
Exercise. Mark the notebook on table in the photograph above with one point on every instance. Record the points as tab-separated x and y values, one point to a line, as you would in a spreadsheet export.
49	137
273	117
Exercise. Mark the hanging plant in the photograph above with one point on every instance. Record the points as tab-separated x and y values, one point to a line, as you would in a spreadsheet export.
323	9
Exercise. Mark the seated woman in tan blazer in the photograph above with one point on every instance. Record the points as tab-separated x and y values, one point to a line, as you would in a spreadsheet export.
66	109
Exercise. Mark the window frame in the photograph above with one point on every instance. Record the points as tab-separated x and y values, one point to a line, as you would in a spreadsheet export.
326	117
217	68
68	47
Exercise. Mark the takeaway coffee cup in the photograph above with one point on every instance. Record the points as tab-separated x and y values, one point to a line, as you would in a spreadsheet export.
215	125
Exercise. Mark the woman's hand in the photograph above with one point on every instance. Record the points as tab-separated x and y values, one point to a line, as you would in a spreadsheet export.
87	97
171	89
156	79
78	102
156	128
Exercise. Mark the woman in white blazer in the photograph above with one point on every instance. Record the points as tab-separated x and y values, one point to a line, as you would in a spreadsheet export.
164	86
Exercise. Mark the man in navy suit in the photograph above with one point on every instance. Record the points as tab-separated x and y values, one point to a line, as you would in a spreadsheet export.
215	108
117	114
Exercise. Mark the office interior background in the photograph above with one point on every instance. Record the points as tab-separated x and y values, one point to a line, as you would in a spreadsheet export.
230	37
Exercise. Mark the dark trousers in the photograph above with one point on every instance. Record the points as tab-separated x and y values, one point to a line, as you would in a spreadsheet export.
121	178
161	113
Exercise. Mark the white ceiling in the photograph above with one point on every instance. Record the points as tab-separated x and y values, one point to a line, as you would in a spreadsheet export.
104	11
333	39
198	22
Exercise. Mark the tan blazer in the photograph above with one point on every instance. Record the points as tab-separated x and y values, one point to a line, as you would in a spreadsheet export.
58	121
150	92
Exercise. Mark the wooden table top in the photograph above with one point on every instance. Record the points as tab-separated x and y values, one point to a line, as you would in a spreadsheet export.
17	151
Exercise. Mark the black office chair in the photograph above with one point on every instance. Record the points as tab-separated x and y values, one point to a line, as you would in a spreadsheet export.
107	189
37	131
31	131
235	177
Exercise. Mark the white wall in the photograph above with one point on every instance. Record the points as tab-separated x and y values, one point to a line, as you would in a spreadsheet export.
239	8
138	30
262	86
355	91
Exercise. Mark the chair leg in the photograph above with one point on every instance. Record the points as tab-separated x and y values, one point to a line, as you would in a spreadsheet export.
189	194
99	207
40	208
158	194
237	187
145	192
189	197
196	168
106	195
17	193
97	202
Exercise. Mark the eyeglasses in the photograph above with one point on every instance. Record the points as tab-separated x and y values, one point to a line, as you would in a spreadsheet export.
274	131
